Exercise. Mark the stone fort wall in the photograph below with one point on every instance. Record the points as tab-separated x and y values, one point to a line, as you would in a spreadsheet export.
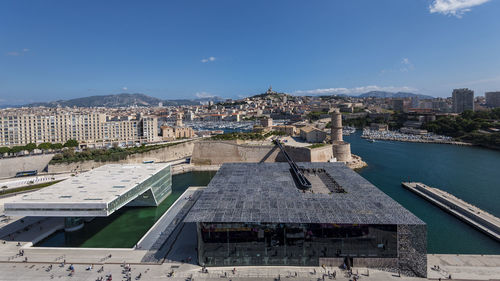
165	154
10	166
218	152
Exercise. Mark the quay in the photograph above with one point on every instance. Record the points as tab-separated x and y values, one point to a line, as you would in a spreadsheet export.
484	221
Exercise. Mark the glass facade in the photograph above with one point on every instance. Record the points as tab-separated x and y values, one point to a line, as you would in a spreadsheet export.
160	184
229	244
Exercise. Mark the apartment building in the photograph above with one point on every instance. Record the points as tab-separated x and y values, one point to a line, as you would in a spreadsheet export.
20	128
463	99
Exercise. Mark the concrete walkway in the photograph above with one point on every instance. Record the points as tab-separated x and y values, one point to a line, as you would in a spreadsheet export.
464	267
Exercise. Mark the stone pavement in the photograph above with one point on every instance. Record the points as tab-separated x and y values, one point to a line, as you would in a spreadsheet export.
461	267
465	267
30	271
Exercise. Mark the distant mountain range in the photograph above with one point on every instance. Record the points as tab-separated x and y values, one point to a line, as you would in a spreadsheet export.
123	100
382	94
138	99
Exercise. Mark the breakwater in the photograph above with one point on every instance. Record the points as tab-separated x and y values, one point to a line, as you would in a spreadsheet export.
483	221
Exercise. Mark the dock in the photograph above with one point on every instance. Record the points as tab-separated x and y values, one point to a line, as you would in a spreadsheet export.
481	220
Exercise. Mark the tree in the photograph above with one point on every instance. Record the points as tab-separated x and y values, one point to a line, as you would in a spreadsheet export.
30	146
4	149
16	149
56	146
71	143
45	146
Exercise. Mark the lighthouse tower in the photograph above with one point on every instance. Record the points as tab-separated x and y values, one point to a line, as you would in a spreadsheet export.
341	149
336	134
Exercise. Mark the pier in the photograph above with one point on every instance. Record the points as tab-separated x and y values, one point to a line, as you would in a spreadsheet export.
487	223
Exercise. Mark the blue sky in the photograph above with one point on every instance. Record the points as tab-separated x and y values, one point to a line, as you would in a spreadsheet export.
182	49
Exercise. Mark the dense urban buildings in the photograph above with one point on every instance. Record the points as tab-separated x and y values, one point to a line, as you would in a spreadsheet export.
463	99
492	99
249	220
300	116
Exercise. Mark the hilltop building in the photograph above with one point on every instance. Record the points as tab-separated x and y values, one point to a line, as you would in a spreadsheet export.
270	91
270	220
463	99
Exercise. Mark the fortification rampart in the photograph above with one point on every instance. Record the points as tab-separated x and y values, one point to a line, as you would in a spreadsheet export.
218	152
10	166
165	154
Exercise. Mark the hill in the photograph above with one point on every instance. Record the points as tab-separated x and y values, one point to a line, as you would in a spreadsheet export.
383	94
121	100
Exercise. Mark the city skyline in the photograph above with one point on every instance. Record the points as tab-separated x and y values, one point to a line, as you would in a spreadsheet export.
188	50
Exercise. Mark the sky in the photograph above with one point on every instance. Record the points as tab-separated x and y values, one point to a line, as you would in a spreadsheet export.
59	49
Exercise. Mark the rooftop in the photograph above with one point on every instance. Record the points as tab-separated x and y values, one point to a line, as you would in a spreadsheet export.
93	190
266	192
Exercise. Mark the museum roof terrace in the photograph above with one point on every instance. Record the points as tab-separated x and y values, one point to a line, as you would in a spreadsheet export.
267	193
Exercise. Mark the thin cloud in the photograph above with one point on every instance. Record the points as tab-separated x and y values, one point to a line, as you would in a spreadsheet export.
406	65
482	81
454	7
354	91
204	95
209	59
124	88
17	53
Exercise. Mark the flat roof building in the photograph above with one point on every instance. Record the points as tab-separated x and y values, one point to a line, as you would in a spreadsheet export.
463	99
492	99
255	214
98	193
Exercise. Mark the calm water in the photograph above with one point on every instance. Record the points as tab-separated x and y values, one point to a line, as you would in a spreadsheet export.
470	173
126	226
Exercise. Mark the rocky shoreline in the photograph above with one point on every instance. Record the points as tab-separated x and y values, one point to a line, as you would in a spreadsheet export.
356	163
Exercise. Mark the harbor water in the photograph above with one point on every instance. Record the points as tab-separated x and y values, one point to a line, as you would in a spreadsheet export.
469	173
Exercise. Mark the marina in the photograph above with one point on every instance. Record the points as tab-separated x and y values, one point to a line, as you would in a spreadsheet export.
347	130
481	220
398	136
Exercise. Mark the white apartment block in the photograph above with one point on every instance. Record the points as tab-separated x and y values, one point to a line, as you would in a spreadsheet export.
19	128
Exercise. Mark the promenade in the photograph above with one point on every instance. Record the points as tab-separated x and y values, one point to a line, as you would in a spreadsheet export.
460	267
